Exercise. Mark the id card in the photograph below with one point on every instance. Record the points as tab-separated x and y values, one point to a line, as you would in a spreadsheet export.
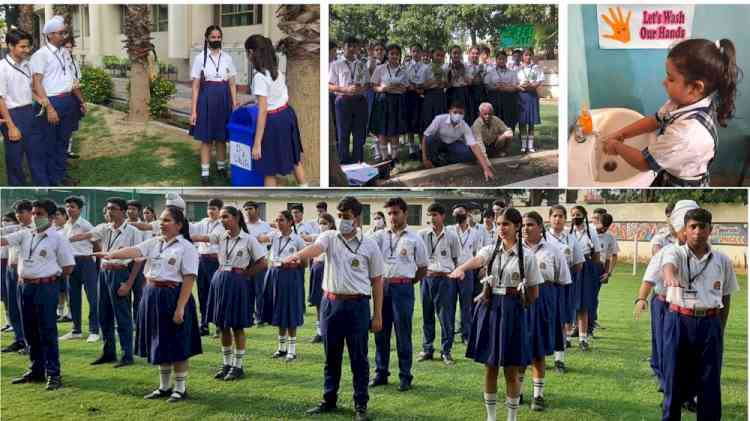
276	263
227	266
689	297
156	263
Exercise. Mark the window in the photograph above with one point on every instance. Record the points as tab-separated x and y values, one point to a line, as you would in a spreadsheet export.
195	211
365	216
85	20
240	14
159	18
414	215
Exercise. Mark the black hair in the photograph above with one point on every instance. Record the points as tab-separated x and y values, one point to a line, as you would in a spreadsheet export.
488	213
61	211
698	215
436	207
238	215
475	47
459	105
560	208
392	47
207	34
322	205
49	206
217	203
119	201
14	36
329	218
600	211
396	202
670	207
606	220
351	40
585	221
22	205
149	208
514	216
250	204
436	49
501	52
264	55
135	204
453	47
483	49
499	202
288	216
539	221
179	218
74	199
418	46
716	67
332	44
11	216
350	203
297	206
380	214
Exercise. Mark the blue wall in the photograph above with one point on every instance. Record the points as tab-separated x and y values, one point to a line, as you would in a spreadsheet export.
632	78
578	81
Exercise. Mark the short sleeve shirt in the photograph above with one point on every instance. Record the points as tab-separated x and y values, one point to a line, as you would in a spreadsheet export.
238	252
217	68
448	132
712	277
80	226
506	270
169	261
350	265
283	246
51	62
42	254
274	90
112	239
15	82
443	249
404	253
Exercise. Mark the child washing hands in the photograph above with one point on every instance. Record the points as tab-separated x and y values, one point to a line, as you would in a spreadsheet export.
701	83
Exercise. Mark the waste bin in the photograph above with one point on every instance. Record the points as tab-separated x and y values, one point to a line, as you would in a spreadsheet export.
241	129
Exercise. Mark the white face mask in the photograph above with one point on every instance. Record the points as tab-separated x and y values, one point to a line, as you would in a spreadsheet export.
379	223
456	118
346	226
323	227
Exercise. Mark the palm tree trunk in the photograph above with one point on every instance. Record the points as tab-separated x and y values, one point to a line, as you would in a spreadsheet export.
26	18
138	45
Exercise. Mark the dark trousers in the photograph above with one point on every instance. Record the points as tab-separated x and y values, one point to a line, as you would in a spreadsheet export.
84	275
137	291
440	153
658	311
438	296
23	118
14	302
39	312
351	127
465	291
115	309
398	312
258	286
691	365
594	311
345	322
57	137
206	269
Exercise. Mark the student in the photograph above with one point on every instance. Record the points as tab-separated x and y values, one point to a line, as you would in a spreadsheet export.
502	90
405	264
307	230
413	102
209	260
317	270
231	296
168	333
610	248
437	290
257	227
485	57
9	221
284	292
133	217
666	235
58	220
499	330
354	269
457	91
701	83
487	228
469	243
378	224
545	326
69	44
348	80
22	210
388	119
16	110
52	83
699	282
433	81
45	253
475	72
498	206
149	217
530	78
214	98
590	272
277	148
375	57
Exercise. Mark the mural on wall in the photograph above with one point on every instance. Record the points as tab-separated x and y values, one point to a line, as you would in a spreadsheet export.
723	234
643	26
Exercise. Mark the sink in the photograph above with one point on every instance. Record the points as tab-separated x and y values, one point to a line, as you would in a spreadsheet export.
589	166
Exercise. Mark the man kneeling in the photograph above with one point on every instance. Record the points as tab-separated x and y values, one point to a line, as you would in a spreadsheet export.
491	132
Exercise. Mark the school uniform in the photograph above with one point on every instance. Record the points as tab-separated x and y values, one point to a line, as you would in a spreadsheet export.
3	286
404	253
413	99
214	107
231	296
281	147
659	306
434	102
160	340
51	62
284	294
307	228
438	292
448	143
140	280
609	247
590	273
350	110
528	112
388	111
487	236
693	337
505	104
469	243
662	239
370	93
685	144
11	284
73	67
457	91
42	258
350	265
315	293
569	296
208	263
475	90
260	227
83	276
499	329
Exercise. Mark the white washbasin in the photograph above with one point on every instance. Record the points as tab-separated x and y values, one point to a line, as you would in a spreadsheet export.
586	161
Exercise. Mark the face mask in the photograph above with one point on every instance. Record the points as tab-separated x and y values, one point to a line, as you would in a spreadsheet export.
456	118
379	223
324	227
577	221
346	226
214	45
461	218
41	223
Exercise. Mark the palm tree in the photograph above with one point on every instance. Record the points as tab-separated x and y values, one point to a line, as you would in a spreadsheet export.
137	30
301	24
26	17
66	11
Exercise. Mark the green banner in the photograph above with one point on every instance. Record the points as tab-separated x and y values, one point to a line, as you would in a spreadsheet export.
516	36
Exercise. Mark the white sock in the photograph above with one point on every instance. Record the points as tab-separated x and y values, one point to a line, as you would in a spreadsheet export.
583	337
165	377
412	148
490	403
204	170
282	343
376	150
512	404
531	142
521	376
238	358
383	151
538	387
523	142
560	356
180	381
226	352
293	345
60	309
317	327
221	164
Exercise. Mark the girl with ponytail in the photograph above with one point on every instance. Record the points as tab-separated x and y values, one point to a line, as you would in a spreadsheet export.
590	272
701	83
499	334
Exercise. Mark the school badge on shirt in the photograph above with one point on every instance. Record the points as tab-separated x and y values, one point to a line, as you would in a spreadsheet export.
355	263
717	285
172	261
403	252
443	253
567	252
515	277
43	253
239	253
542	266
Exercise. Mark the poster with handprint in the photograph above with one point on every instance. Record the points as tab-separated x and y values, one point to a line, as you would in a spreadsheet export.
643	26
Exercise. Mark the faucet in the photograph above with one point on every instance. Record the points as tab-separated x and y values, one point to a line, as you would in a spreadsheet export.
577	130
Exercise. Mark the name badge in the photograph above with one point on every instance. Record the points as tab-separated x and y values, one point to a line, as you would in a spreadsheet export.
689	297
276	264
29	262
227	266
156	264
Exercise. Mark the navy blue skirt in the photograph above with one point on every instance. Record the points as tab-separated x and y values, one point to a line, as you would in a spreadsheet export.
214	109
540	317
281	149
589	280
505	105
285	289
498	336
474	98
230	300
413	112
433	104
315	294
158	338
560	316
528	112
459	95
574	297
388	116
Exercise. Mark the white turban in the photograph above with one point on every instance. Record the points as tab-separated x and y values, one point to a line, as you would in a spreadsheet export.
677	218
174	199
55	24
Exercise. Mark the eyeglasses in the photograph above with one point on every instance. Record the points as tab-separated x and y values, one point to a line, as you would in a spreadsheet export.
60	33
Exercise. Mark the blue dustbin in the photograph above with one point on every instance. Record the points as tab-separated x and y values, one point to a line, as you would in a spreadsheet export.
241	129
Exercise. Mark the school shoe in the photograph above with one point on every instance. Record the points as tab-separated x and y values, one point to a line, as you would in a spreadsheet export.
322	407
361	414
14	347
24	351
278	354
567	344
104	359
158	393
72	155
6	328
93	337
53	383
523	144
424	356
378	381
448	359
124	363
221	374
204	331
316	339
71	335
64	319
290	358
222	173
691	405
584	346
235	373
560	366
177	396
404	386
538	404
204	182
530	145
28	377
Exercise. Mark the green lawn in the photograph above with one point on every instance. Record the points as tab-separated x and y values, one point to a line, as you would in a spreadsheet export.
612	382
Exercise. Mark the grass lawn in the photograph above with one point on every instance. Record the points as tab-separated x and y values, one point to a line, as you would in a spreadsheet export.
612	382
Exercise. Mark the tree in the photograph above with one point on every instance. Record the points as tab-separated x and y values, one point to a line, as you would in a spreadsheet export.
26	17
137	30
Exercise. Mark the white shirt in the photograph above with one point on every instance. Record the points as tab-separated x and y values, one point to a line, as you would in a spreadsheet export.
345	73
307	228
51	62
609	246
349	265
588	245
114	239
488	237
169	261
449	133
41	254
662	239
569	245
218	67
496	75
404	253
207	226
283	246
431	71
469	242
653	273
416	72
531	73
15	82
274	90
443	250
385	75
551	262
475	70
456	79
80	226
505	269
260	227
13	252
236	252
717	280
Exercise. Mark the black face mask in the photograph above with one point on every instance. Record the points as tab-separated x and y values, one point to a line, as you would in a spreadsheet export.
214	45
577	221
461	218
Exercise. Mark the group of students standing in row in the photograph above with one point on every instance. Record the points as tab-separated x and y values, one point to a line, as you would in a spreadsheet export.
378	91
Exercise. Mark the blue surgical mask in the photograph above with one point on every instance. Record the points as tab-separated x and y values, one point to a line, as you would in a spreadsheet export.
346	226
456	118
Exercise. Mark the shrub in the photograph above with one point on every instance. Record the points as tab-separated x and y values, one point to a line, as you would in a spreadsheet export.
96	85
110	62
162	91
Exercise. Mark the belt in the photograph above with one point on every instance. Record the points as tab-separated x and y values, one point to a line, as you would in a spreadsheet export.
113	266
513	291
163	284
82	257
432	274
285	265
12	265
47	280
399	280
278	110
344	297
4	261
218	82
697	312
210	256
60	95
661	297
233	270
20	107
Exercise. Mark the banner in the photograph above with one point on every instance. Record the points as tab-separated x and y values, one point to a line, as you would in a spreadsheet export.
724	234
643	26
516	36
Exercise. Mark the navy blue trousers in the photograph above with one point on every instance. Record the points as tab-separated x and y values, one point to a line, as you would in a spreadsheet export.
465	291
84	275
137	290
57	136
258	285
351	127
438	296
658	310
23	118
398	312
345	322
691	365
115	309
39	312
440	153
14	302
206	269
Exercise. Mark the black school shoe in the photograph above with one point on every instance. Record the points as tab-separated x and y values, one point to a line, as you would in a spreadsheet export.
560	367
278	354
204	182
378	381
14	347
322	407
104	359
53	383
404	386
223	372
124	363
204	331
177	396
222	173
361	414
316	339
448	359
537	404
235	373
158	393
424	356
28	377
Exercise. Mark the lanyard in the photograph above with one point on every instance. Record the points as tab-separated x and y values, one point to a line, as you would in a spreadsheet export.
502	268
388	69
33	247
212	226
359	244
229	251
110	241
468	235
279	249
59	60
432	248
17	68
391	247
691	278
215	63
162	248
352	71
